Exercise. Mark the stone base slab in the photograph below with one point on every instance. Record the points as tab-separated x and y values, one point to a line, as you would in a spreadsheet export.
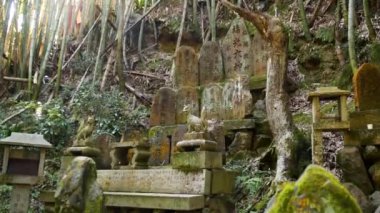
155	181
197	160
183	202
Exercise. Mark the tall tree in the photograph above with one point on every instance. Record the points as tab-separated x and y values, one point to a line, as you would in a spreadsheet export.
351	35
367	15
119	46
4	34
279	117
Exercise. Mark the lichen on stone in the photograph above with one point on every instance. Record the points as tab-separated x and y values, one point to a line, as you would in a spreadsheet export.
317	190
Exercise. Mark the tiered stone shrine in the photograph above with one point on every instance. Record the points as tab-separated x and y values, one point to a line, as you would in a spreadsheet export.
217	85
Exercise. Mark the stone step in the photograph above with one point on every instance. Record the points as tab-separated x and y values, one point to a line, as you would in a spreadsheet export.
183	202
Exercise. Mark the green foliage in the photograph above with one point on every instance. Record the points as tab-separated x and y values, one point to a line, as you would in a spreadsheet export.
325	34
112	112
375	53
5	197
344	81
55	125
251	184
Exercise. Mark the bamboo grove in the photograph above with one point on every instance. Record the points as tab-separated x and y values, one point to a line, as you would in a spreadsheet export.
34	31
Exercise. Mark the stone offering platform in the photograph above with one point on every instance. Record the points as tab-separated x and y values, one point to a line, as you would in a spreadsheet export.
163	188
160	188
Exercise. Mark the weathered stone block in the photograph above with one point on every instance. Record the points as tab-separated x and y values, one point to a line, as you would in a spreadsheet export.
197	160
212	102
156	181
223	181
259	59
187	96
163	107
243	141
179	202
186	68
178	135
366	83
236	50
160	142
237	102
374	171
354	170
210	63
242	124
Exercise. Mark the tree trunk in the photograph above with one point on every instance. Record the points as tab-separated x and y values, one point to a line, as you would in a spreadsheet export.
279	117
36	16
98	63
367	15
62	53
351	35
305	25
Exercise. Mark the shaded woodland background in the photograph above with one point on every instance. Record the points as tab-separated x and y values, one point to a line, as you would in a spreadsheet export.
73	58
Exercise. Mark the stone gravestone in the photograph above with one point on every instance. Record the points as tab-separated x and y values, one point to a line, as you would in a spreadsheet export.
163	107
160	142
367	89
210	64
186	68
259	59
236	50
212	97
237	102
187	96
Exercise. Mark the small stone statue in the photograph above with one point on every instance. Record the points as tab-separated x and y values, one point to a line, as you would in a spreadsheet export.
85	131
194	123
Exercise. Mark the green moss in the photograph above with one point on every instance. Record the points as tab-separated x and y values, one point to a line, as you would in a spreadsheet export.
302	118
344	81
375	53
317	190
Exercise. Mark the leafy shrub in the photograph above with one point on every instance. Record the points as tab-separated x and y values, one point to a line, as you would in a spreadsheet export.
325	34
5	197
111	110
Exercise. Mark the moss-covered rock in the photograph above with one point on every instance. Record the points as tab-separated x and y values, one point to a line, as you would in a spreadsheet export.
317	190
78	190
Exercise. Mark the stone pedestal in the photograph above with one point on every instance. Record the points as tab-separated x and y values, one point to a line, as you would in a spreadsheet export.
130	155
197	160
20	198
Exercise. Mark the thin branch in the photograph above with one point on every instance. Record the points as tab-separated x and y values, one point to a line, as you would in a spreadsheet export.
12	116
145	75
132	26
182	25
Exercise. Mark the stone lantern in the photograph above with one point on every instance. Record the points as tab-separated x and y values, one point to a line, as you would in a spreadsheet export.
23	166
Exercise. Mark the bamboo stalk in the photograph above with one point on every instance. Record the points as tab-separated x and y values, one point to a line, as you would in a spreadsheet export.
351	35
98	63
182	25
9	78
141	34
63	50
33	44
46	57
